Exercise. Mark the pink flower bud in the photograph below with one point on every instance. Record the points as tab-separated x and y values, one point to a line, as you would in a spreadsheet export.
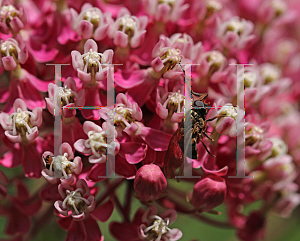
150	182
209	193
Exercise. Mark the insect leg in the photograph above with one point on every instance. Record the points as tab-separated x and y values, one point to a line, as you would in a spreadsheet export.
211	119
208	136
207	149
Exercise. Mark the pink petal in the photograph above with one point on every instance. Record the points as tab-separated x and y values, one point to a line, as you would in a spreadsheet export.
60	209
157	64
65	223
121	39
101	32
32	165
104	211
129	80
16	24
137	40
157	140
9	63
123	168
90	44
79	146
11	159
85	29
124	231
92	229
17	222
96	171
66	148
133	152
76	232
82	184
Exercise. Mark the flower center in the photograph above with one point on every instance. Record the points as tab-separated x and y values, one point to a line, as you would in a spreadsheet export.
123	116
212	7
279	7
174	102
75	201
158	228
169	2
21	122
229	112
235	26
97	142
279	147
170	58
66	96
128	25
253	135
216	60
10	48
270	73
92	61
7	13
249	79
92	15
61	165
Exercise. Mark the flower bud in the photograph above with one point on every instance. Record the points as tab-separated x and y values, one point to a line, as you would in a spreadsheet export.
150	182
209	193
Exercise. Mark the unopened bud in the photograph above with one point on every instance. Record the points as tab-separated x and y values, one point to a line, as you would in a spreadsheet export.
150	182
209	193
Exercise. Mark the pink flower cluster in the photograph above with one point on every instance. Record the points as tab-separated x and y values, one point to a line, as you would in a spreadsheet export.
147	47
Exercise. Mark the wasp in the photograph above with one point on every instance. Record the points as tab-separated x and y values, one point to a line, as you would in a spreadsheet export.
196	132
48	160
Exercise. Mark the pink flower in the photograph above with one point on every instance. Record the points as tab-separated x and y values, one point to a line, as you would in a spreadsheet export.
271	9
166	10
11	19
212	65
61	166
206	10
280	170
22	125
91	22
125	114
126	154
235	32
96	145
13	52
185	44
156	227
87	229
167	57
77	203
65	96
89	65
128	30
170	104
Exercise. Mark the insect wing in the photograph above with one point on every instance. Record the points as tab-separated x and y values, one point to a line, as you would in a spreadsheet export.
174	155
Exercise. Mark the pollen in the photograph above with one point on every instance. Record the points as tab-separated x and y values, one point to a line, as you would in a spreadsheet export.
128	25
171	57
7	13
158	228
10	48
235	26
93	15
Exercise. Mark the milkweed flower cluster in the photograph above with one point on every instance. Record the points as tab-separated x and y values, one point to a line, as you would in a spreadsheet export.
134	134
